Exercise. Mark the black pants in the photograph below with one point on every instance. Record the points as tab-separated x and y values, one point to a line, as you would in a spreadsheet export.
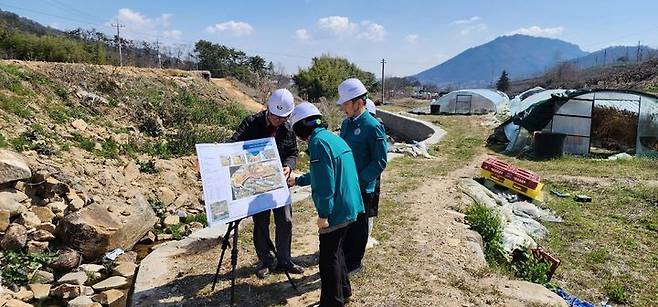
372	208
357	236
283	233
335	285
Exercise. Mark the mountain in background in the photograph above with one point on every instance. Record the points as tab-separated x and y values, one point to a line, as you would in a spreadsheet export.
11	21
616	55
520	55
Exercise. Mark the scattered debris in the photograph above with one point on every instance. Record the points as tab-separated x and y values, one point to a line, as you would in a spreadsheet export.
414	150
583	199
560	194
111	256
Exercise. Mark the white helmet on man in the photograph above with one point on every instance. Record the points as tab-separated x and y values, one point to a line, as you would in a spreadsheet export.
350	89
370	106
302	111
281	103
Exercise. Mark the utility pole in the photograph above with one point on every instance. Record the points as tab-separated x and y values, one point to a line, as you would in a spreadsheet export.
638	56
157	49
383	62
118	26
605	56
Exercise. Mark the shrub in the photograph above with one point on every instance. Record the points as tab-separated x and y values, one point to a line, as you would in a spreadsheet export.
616	292
529	267
109	149
147	167
488	224
16	265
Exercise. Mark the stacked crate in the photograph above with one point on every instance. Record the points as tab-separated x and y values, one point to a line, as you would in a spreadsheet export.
513	178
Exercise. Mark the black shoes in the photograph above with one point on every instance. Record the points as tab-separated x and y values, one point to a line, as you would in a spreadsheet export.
292	269
354	271
262	270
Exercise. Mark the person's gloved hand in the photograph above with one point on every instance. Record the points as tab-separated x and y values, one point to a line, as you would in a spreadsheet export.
322	223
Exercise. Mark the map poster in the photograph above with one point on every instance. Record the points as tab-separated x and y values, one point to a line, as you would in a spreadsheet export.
241	179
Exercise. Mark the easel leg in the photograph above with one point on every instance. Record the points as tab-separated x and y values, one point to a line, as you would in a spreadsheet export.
225	243
234	260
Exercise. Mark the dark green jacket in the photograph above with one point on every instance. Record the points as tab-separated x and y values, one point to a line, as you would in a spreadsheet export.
367	138
333	178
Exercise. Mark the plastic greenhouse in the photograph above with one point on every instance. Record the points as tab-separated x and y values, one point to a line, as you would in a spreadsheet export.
471	101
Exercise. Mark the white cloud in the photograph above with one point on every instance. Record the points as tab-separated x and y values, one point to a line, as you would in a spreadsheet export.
338	25
411	38
237	28
172	34
466	21
302	35
141	27
372	32
473	29
539	31
342	27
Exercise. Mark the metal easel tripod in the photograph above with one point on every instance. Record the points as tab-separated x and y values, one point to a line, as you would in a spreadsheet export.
233	227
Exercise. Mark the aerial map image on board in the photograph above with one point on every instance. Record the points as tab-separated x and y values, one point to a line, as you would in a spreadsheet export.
255	178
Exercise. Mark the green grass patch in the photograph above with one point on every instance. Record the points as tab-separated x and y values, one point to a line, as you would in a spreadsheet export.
3	141
16	265
110	149
15	105
637	168
200	218
608	246
84	142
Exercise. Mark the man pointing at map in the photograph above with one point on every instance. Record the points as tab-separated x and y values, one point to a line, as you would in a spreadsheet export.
273	123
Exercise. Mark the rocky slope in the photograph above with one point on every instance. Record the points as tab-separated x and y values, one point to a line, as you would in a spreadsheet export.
98	158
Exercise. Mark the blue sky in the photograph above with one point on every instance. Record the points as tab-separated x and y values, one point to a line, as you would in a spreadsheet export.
410	35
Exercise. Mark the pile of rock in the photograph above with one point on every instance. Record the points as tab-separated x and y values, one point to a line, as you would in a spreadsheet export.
44	210
88	285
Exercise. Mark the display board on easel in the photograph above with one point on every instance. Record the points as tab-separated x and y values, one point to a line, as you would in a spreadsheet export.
241	179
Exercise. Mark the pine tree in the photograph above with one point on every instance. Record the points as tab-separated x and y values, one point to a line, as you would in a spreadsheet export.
503	82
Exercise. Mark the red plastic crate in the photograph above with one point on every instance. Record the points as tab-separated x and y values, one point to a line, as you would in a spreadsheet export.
518	175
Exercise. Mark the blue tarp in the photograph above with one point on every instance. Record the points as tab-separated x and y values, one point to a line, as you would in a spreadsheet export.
573	301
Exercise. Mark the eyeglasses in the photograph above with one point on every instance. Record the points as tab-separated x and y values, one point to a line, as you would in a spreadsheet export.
278	117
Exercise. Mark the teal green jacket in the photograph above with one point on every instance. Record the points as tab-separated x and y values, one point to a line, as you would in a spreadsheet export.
367	138
333	178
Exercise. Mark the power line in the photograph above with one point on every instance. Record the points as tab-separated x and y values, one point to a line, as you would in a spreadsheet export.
69	7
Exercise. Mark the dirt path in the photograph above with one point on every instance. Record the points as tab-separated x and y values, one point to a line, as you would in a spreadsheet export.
426	257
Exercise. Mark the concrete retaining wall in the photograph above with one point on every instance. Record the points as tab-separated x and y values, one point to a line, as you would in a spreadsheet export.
411	129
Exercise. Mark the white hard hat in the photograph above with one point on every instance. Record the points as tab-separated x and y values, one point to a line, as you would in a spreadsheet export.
350	89
370	106
281	103
303	110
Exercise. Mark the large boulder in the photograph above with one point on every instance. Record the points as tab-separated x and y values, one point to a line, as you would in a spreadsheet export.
15	237
13	207
97	228
13	167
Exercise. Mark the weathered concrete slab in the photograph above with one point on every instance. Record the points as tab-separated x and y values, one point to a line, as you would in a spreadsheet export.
410	128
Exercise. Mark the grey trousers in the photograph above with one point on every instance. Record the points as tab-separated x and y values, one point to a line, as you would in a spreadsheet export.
283	235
